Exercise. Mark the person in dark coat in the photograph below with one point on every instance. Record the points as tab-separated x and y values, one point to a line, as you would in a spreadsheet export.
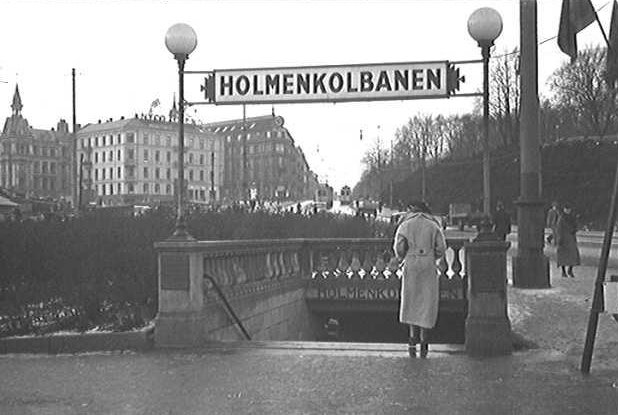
567	252
552	222
502	222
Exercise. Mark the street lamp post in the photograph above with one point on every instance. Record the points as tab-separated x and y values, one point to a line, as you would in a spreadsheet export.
485	25
181	40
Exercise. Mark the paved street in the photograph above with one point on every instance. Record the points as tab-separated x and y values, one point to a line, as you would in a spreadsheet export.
363	379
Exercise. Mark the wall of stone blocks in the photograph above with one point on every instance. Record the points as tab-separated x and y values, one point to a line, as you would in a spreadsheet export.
278	313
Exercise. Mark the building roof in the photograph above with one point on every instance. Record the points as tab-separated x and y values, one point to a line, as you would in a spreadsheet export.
261	123
158	122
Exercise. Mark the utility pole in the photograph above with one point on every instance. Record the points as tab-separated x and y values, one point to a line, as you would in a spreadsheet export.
74	181
530	266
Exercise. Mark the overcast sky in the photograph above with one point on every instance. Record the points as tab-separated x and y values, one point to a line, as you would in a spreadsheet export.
117	48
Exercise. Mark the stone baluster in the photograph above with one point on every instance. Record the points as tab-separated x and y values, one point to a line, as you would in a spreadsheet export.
342	265
355	266
380	266
368	263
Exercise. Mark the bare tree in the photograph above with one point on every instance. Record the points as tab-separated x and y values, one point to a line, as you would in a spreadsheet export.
579	90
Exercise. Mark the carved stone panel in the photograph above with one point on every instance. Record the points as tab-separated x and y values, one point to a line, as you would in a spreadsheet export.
175	272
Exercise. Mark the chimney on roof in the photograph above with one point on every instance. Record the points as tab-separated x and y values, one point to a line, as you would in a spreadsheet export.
136	115
99	121
63	127
122	118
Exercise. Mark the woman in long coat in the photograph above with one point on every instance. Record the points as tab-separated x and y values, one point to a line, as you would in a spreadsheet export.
567	253
420	242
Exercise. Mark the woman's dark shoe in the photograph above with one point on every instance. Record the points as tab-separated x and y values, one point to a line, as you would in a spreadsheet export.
564	274
571	274
412	346
424	349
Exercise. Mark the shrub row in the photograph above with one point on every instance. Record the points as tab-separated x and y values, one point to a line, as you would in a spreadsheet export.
100	270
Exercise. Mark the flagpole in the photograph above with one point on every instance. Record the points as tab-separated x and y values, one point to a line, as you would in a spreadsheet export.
597	298
596	16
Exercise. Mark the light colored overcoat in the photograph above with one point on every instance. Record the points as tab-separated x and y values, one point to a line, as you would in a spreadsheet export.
420	285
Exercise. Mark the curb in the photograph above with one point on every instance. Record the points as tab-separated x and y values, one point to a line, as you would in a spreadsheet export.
141	340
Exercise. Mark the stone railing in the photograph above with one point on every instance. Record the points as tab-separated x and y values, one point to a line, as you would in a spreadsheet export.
373	259
266	283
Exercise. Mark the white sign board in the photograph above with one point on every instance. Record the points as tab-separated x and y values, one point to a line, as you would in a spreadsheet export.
387	81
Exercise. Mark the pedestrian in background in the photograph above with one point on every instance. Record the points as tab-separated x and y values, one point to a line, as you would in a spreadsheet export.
420	242
502	221
567	252
552	222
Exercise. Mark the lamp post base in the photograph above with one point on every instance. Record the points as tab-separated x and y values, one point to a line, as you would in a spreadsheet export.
530	265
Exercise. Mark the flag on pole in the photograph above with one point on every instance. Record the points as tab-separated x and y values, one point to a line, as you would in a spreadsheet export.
574	17
155	103
611	69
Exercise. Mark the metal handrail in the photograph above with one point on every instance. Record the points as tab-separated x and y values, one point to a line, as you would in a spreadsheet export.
227	305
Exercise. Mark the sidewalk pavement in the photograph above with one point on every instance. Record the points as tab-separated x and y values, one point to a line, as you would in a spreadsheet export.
354	379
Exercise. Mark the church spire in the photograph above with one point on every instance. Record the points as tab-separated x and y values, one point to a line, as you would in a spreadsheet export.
16	105
174	110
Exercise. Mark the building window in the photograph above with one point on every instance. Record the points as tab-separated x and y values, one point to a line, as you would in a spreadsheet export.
145	139
96	141
44	167
111	173
119	188
130	153
202	159
145	172
190	174
119	156
201	175
96	174
96	157
145	155
111	154
102	190
118	173
145	187
169	157
102	174
191	158
201	144
131	188
168	189
111	188
119	139
157	173
168	141
130	172
168	174
130	137
103	156
279	134
157	188
52	167
157	156
158	140
279	148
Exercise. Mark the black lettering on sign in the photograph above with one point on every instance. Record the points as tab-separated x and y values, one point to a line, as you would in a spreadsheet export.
288	83
318	83
175	272
366	80
383	82
417	79
272	84
335	82
351	87
242	85
303	80
256	89
433	79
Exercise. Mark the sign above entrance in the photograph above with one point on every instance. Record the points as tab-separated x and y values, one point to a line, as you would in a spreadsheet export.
370	82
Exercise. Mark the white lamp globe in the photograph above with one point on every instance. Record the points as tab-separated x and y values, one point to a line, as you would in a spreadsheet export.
181	40
485	25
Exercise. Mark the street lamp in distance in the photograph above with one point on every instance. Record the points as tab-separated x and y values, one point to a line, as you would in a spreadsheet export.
484	26
181	40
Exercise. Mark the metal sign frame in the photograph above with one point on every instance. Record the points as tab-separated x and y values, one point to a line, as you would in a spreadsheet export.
451	78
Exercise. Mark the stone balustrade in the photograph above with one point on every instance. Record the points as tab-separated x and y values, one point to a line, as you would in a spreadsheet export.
266	281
